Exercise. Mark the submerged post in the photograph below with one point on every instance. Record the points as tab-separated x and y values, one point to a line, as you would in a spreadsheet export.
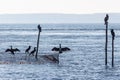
106	42
39	28
113	37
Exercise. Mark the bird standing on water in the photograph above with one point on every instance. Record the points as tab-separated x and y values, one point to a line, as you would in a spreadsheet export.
62	49
32	52
12	50
28	49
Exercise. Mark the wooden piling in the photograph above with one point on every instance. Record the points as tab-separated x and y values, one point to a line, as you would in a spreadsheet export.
39	28
113	37
112	52
106	42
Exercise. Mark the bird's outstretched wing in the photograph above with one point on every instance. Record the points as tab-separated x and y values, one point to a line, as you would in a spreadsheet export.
7	50
16	49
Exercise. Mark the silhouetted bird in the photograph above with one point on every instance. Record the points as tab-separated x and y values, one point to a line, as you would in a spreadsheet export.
106	19
28	49
12	50
9	50
113	34
32	52
62	49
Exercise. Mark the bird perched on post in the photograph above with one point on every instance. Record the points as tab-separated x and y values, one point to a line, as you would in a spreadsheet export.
106	19
28	49
113	34
33	51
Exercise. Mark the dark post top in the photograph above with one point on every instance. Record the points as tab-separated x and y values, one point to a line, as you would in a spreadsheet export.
113	34
106	19
39	28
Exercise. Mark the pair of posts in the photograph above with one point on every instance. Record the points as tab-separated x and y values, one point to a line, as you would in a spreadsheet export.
106	42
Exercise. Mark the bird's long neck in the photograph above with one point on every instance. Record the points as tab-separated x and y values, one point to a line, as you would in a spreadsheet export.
11	47
34	49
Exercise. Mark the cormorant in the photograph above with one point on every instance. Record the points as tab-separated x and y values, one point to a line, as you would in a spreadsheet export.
62	49
28	49
112	33
106	19
32	52
12	50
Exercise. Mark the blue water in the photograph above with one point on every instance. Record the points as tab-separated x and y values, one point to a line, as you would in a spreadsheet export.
71	35
85	61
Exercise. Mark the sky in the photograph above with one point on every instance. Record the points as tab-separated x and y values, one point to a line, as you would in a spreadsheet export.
59	6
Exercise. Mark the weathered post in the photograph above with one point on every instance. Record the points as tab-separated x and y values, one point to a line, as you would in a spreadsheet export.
106	42
39	28
113	37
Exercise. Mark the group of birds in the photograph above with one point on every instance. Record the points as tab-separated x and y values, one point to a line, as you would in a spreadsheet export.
27	51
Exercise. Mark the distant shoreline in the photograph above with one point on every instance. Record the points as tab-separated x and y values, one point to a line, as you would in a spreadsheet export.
50	23
57	18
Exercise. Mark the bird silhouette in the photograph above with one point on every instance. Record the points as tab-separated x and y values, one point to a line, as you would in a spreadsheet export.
33	51
106	19
9	50
28	49
112	33
12	50
62	49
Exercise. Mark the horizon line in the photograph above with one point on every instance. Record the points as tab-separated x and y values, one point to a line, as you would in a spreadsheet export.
63	13
57	23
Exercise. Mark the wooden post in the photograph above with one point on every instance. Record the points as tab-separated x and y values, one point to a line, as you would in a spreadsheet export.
106	42
112	53
39	28
106	45
113	36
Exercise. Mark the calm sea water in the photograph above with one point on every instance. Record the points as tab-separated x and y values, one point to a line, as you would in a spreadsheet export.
85	61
